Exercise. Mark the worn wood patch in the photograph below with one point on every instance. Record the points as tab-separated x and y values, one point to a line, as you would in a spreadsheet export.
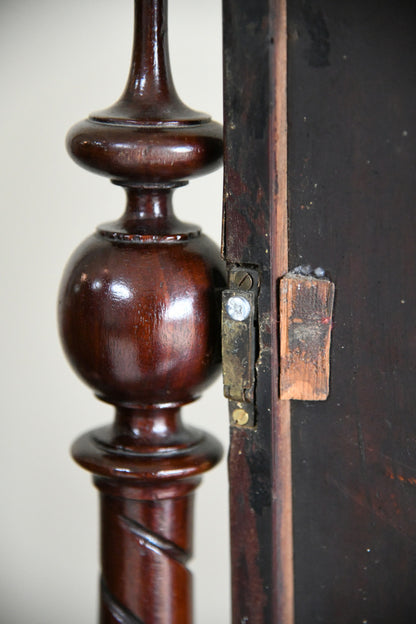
306	305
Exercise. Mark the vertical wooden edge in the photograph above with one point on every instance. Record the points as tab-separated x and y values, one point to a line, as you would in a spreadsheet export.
279	138
282	466
282	497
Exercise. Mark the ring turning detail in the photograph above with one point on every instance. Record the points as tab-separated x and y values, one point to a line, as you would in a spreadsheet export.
139	316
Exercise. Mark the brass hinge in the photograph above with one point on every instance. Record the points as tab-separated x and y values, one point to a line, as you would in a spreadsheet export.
239	313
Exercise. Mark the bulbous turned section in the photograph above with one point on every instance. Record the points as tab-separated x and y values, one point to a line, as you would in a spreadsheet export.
139	320
149	134
139	306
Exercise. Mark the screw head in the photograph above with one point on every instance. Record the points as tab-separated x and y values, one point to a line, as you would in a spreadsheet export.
238	308
240	416
243	280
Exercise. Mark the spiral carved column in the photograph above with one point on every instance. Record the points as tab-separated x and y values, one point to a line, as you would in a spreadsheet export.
139	321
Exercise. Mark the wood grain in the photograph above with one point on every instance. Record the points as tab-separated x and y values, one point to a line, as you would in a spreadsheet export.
306	305
255	235
352	151
283	591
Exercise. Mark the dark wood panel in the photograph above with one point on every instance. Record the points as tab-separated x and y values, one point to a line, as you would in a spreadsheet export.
352	128
255	237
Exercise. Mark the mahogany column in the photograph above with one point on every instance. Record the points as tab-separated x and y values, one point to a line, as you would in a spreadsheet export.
139	321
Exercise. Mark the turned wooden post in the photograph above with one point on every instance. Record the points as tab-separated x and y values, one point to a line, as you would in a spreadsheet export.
139	320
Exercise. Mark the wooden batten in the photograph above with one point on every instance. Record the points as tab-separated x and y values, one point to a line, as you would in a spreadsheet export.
306	305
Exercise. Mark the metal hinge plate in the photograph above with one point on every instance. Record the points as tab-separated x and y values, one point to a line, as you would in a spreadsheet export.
239	313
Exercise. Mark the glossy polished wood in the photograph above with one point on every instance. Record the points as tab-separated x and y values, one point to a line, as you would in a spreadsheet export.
148	134
139	321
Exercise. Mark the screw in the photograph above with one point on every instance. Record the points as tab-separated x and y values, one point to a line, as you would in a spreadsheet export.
243	280
240	416
238	308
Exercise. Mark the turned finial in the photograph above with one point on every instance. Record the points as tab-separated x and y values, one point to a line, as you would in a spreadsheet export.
139	321
149	135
